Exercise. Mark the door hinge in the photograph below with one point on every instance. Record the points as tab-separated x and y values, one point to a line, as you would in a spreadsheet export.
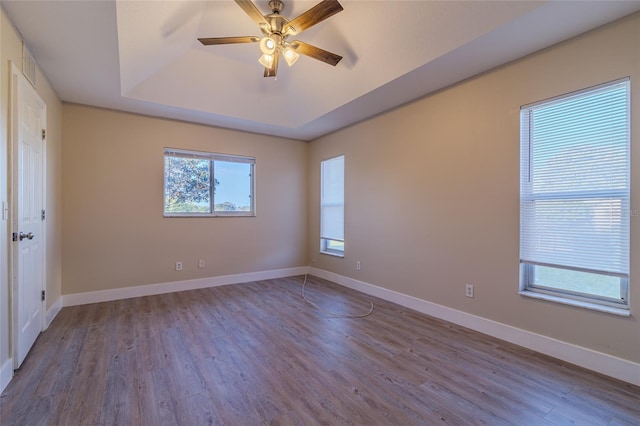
44	134
42	296
14	236
43	214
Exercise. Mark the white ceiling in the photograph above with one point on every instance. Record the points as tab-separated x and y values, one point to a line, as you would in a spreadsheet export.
143	56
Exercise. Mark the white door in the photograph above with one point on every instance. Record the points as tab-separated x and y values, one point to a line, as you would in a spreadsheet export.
27	127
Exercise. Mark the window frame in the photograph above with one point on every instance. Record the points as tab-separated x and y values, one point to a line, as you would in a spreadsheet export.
527	285
325	242
212	158
326	249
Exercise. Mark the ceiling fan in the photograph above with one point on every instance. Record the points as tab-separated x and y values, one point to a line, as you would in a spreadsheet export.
277	29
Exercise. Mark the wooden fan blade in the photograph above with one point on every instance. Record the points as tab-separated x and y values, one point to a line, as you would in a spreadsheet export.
254	13
316	14
271	72
315	52
228	40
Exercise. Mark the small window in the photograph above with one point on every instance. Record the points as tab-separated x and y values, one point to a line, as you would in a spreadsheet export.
574	197
332	206
207	184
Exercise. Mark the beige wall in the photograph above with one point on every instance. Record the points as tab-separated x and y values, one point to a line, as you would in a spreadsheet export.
115	233
11	50
432	192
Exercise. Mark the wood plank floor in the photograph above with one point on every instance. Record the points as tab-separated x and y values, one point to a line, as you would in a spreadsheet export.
256	353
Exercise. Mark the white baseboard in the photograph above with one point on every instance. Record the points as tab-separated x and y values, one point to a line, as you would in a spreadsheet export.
6	374
52	312
609	365
170	287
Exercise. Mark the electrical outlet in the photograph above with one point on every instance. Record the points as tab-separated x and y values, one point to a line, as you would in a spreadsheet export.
178	266
201	263
357	265
468	290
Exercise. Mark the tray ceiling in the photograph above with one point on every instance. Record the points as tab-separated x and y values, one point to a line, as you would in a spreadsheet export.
143	56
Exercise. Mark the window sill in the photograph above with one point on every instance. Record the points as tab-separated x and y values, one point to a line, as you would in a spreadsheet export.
580	304
340	255
180	215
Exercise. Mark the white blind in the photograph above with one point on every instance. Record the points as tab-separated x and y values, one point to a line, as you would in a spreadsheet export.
332	199
574	181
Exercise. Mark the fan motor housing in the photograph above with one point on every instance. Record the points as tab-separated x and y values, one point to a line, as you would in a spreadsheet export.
277	22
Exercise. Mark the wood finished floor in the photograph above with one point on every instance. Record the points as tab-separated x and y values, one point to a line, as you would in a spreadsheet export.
256	353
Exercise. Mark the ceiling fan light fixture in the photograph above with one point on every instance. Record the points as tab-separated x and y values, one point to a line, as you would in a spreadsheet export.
269	44
290	55
266	60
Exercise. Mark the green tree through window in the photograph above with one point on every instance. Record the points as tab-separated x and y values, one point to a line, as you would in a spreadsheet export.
197	184
187	184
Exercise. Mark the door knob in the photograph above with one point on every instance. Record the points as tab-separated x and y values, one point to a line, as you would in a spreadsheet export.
28	236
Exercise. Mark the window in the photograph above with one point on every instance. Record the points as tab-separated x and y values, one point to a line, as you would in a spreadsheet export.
574	197
332	206
206	184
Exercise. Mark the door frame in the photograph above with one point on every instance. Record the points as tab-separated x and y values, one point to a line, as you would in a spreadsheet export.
12	125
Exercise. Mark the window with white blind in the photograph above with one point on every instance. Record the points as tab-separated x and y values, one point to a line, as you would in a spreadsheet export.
332	206
574	197
207	184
